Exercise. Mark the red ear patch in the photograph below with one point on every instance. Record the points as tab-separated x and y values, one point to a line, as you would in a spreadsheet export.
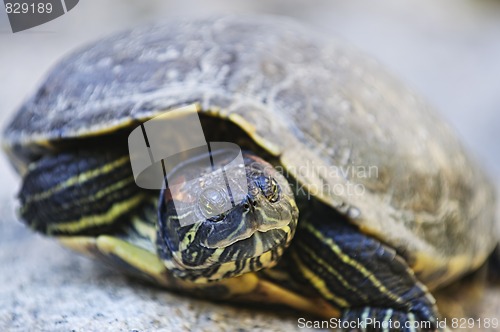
176	190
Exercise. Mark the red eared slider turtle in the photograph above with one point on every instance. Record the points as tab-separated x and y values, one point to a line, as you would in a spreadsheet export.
360	200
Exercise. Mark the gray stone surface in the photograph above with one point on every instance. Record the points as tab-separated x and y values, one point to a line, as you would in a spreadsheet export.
448	50
47	288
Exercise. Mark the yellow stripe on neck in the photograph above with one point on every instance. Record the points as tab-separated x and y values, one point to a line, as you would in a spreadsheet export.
106	218
78	179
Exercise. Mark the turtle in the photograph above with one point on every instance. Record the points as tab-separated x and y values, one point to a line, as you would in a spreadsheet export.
359	200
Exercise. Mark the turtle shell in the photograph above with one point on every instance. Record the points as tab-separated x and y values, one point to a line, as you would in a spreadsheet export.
348	133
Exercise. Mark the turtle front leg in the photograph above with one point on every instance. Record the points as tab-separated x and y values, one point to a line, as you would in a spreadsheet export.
368	280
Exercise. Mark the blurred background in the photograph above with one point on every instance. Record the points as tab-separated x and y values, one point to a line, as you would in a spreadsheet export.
448	51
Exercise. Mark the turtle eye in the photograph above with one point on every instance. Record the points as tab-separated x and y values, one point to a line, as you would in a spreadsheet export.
270	189
275	192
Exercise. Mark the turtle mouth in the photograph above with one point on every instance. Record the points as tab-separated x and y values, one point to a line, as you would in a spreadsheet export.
258	242
256	246
223	234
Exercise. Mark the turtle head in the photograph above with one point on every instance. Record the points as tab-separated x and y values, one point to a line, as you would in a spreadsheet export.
217	226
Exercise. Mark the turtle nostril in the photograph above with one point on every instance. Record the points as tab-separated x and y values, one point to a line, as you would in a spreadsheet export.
250	203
